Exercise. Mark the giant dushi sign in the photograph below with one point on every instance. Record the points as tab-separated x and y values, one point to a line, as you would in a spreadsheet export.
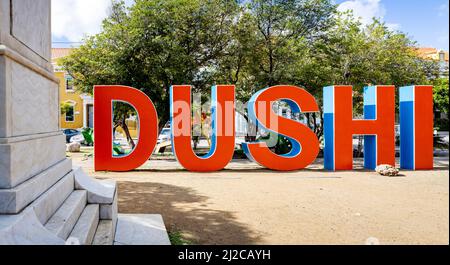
416	127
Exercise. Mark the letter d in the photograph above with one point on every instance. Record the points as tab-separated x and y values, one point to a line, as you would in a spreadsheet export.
103	128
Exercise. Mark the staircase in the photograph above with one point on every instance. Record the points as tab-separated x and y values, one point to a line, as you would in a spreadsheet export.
74	210
43	200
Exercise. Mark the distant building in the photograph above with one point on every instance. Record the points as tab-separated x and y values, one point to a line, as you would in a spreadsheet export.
81	108
436	55
80	113
442	57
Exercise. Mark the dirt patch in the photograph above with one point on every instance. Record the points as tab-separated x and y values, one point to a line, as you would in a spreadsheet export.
184	210
250	205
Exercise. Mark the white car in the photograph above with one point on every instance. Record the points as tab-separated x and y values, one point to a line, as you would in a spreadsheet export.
79	138
164	136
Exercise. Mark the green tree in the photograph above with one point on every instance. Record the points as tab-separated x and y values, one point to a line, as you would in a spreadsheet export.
65	107
441	99
440	94
153	45
252	44
358	55
269	38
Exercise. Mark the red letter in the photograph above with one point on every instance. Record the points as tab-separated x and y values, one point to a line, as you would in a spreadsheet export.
305	145
222	116
377	127
103	149
416	127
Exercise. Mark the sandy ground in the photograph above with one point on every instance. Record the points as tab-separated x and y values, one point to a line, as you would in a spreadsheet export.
246	204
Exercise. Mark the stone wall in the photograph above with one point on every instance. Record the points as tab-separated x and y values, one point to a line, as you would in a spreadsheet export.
33	43
30	139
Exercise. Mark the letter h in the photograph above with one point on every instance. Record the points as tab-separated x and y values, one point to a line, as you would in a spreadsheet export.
377	127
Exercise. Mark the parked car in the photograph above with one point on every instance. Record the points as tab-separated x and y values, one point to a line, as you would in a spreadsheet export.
70	133
79	138
165	135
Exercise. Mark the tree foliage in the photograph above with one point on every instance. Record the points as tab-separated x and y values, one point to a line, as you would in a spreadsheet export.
155	44
65	107
440	94
441	100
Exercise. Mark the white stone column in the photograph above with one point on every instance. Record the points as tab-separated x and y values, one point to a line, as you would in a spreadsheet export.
87	100
42	199
30	139
85	114
32	149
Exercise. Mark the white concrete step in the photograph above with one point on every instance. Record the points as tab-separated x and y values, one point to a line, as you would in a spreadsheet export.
105	233
141	229
25	229
109	211
87	224
99	192
64	220
14	200
49	202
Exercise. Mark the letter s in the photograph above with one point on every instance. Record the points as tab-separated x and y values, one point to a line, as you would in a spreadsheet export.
305	145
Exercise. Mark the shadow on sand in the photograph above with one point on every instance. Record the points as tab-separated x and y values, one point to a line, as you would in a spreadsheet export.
197	223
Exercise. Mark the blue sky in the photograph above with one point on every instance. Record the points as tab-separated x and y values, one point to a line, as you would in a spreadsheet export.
425	21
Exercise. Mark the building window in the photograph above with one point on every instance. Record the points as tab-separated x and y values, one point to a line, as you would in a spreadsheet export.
442	56
69	83
70	113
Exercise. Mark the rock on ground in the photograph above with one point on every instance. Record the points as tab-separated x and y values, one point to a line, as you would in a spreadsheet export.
74	147
387	170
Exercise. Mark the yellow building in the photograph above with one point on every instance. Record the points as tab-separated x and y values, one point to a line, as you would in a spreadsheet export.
433	54
79	107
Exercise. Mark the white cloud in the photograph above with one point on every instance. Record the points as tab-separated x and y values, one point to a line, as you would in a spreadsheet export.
393	26
73	19
366	10
443	10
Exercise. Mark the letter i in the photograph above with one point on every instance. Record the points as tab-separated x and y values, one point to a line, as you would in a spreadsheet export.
416	127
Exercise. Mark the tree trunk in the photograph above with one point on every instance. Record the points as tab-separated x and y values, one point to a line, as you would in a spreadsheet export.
308	119
320	130
252	131
114	131
360	145
162	124
314	118
195	140
127	132
251	128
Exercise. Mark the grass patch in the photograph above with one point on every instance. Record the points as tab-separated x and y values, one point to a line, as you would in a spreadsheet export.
176	239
